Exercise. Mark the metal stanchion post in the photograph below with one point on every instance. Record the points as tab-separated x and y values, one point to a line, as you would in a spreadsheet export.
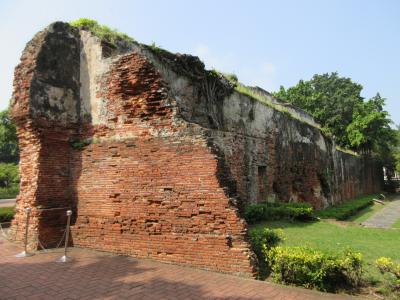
65	258
25	253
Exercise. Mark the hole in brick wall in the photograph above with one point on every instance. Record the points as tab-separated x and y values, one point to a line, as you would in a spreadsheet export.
275	188
229	241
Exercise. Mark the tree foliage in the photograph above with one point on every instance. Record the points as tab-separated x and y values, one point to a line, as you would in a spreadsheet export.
9	151
336	103
8	174
396	150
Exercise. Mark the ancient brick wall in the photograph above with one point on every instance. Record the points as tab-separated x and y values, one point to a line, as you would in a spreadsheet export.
44	108
271	154
144	190
139	180
156	156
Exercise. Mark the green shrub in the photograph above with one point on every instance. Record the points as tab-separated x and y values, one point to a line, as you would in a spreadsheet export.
262	240
254	213
103	32
391	272
310	268
10	192
278	211
347	209
9	175
6	214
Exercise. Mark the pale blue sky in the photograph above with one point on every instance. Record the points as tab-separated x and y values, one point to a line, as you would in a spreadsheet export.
266	43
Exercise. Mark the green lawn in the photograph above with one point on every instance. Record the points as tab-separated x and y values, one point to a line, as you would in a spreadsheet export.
397	225
334	236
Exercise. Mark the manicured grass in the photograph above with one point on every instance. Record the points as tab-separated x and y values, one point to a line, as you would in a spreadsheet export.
366	213
347	209
397	224
334	236
6	214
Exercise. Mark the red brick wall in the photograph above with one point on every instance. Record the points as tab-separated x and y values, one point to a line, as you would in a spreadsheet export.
295	171
158	198
143	190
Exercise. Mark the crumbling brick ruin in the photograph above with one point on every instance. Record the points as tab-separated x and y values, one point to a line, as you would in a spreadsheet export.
157	156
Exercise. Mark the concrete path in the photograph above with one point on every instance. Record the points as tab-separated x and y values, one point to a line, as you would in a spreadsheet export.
7	202
97	275
386	217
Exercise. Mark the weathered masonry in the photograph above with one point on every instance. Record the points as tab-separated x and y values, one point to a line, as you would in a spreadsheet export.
156	156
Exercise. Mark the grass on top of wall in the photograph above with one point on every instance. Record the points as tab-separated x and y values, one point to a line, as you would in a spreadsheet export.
103	32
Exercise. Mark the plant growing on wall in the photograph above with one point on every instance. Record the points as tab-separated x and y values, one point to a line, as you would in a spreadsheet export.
104	32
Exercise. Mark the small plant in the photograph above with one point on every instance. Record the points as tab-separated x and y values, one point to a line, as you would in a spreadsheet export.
232	78
215	73
155	48
315	269
79	144
103	32
391	272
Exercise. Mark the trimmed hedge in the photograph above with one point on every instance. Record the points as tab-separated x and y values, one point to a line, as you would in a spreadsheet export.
310	268
6	214
278	211
345	210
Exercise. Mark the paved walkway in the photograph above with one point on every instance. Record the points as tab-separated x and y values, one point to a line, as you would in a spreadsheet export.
97	275
7	202
386	217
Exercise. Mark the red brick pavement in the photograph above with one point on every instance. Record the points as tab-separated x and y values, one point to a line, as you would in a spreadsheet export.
98	275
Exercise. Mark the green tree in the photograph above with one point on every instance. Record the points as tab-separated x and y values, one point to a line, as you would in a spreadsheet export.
9	151
396	151
336	103
370	128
